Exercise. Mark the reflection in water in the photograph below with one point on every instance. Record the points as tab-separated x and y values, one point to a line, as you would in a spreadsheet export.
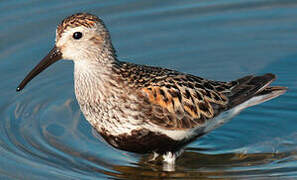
44	136
194	164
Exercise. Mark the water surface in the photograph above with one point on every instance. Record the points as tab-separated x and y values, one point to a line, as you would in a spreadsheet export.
43	134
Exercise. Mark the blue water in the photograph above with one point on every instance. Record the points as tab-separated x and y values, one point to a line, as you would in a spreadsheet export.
43	134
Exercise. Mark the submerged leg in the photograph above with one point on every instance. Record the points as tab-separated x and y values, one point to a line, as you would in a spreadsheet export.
155	155
169	158
169	161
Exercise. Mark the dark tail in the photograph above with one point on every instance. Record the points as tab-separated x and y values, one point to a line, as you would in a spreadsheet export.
254	90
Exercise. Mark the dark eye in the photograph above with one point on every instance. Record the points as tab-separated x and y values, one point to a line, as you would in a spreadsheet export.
77	35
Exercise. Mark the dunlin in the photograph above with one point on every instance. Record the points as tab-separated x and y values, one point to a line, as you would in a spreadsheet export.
140	108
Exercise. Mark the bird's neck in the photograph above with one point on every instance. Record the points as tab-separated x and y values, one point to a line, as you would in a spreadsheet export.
98	90
93	80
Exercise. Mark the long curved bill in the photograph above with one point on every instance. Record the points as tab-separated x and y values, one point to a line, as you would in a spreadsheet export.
53	56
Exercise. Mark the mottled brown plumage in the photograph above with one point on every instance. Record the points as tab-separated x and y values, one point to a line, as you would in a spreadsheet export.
141	108
177	100
182	101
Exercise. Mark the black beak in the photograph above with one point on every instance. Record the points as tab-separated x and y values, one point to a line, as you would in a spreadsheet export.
53	56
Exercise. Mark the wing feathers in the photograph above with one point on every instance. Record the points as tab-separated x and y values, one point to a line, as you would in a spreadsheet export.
183	101
251	86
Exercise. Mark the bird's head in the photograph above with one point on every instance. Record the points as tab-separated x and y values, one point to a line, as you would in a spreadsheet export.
81	37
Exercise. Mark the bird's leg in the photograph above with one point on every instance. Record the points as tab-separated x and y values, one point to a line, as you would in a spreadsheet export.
169	161
155	155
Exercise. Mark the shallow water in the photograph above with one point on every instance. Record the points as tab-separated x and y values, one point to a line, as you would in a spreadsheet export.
43	134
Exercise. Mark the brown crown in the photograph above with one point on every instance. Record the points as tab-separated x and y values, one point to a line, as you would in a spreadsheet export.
75	20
